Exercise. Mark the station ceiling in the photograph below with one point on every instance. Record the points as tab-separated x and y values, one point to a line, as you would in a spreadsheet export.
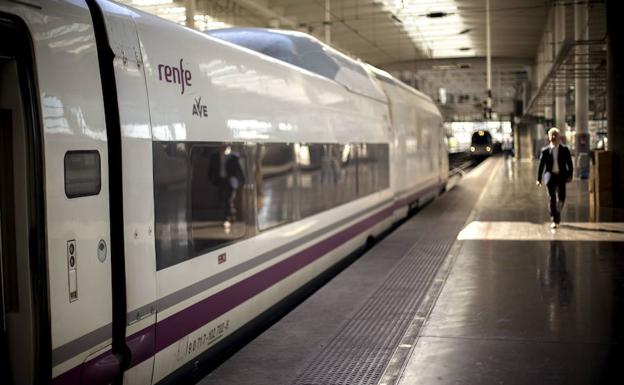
432	44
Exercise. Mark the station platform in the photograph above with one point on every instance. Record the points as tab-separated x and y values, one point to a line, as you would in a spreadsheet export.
473	289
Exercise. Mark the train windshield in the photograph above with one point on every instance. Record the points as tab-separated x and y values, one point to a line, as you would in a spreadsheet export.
481	138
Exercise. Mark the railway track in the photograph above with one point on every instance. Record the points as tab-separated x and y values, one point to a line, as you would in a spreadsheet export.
461	162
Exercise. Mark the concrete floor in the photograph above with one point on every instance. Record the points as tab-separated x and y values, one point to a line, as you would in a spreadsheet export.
509	301
527	306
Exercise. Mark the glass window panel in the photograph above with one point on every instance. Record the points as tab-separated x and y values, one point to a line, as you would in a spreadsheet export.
315	182
199	199
216	205
366	169
171	214
276	186
373	168
344	156
383	166
82	173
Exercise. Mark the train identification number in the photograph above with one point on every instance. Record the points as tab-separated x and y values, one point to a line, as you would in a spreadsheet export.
203	340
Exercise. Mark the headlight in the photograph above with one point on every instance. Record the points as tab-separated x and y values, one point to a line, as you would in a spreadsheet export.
488	149
472	149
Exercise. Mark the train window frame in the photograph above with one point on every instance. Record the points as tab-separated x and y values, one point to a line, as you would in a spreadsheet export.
194	154
292	190
66	182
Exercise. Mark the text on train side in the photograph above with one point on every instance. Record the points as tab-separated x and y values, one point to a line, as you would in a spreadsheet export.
199	109
175	75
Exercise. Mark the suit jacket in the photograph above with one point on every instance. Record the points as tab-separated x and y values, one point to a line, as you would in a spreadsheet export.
564	160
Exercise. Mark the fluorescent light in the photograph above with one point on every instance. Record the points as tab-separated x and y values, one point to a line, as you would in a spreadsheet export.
436	15
435	26
168	9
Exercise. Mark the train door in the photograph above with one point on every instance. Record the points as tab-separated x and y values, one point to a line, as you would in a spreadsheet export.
24	328
122	65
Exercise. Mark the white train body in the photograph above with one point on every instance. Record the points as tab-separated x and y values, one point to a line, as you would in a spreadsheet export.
133	118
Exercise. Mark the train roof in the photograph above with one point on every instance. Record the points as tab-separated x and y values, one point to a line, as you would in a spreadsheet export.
307	52
386	77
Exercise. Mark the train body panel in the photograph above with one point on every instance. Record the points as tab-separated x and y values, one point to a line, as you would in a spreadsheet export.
311	170
417	142
73	128
237	95
272	265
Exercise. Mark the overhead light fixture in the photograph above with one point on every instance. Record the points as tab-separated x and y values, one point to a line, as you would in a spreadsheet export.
444	67
436	26
437	15
395	18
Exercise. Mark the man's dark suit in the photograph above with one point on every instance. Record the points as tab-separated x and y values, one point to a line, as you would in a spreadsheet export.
556	183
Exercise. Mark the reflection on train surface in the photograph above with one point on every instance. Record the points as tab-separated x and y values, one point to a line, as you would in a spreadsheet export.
162	190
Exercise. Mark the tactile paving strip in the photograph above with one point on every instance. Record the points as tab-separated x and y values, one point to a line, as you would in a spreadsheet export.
361	349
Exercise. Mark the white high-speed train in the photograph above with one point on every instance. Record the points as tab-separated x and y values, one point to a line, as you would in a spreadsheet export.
161	189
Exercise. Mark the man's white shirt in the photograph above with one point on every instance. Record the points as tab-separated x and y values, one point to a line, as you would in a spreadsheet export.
555	153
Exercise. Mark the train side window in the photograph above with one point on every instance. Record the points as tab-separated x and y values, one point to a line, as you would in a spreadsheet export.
382	153
275	184
373	168
217	179
328	176
367	169
82	173
199	198
345	158
314	178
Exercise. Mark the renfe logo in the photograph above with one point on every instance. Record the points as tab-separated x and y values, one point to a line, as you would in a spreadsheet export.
175	75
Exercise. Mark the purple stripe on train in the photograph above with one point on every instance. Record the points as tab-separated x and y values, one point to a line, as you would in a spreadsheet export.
172	329
100	370
144	344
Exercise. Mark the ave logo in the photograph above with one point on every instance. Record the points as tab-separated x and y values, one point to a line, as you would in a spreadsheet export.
199	109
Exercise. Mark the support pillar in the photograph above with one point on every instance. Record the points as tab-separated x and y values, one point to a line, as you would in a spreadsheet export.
548	118
540	136
525	142
560	26
615	97
581	90
488	43
516	140
560	100
190	7
560	115
327	22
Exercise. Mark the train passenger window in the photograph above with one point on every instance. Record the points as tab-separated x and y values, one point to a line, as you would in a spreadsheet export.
366	169
344	157
82	173
382	153
275	184
199	194
328	176
373	168
315	179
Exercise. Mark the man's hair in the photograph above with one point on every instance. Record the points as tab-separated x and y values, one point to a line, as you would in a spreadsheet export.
554	130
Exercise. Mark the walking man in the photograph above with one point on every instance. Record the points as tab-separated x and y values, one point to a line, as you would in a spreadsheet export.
555	170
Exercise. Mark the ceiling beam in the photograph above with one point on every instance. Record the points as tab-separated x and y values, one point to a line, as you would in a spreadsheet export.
261	7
